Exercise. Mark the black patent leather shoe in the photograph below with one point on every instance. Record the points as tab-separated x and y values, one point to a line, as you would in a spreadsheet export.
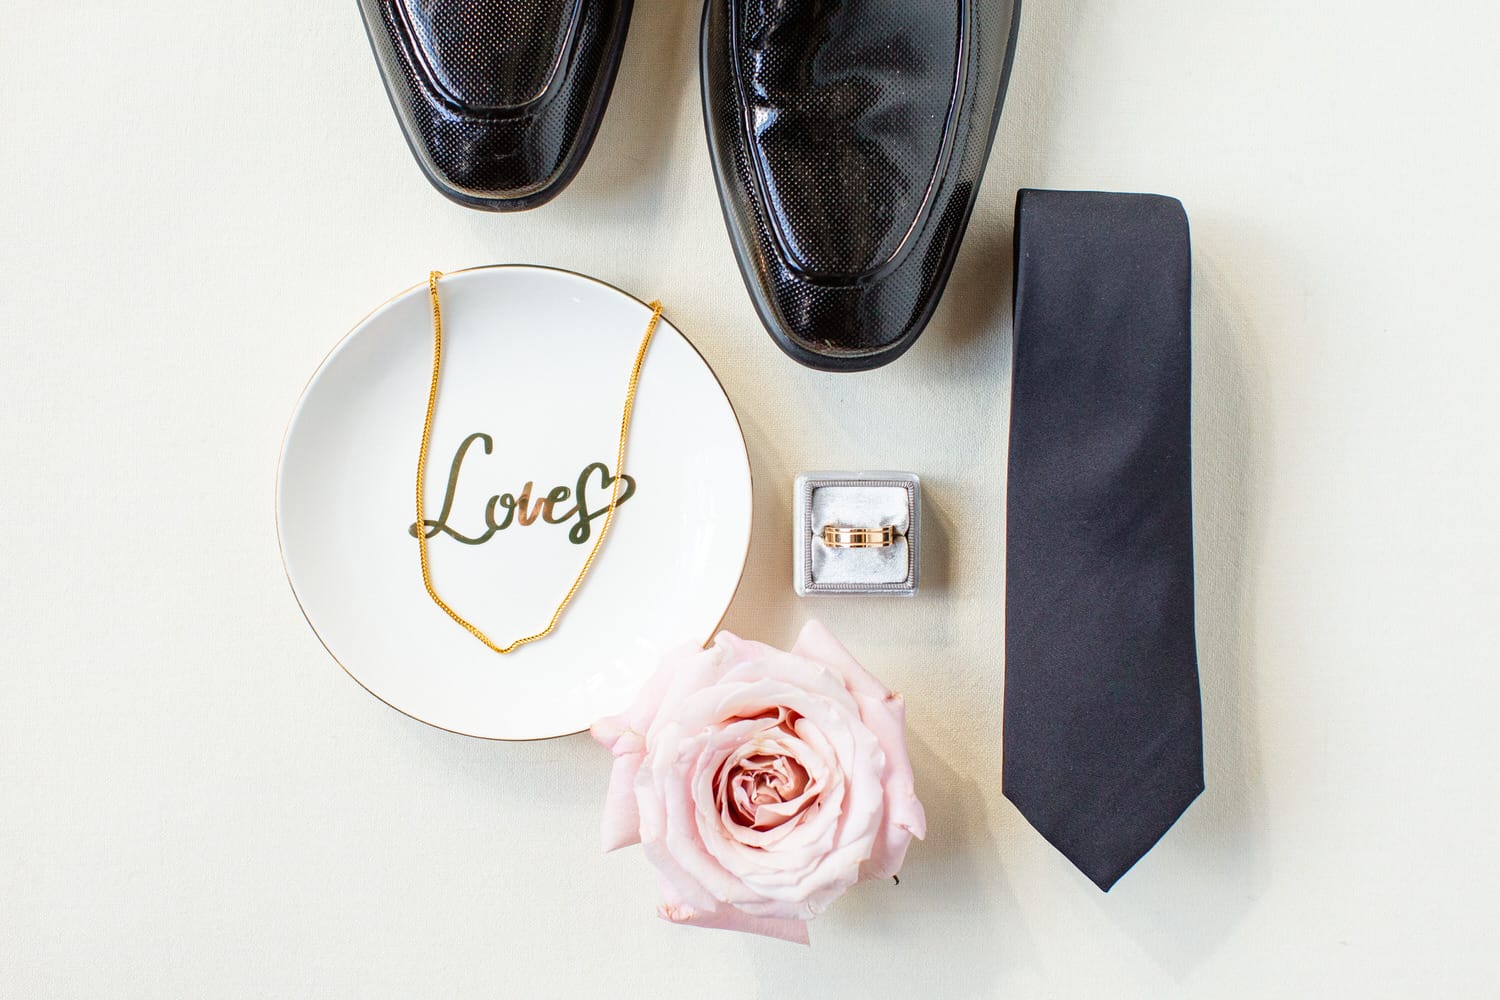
848	139
500	100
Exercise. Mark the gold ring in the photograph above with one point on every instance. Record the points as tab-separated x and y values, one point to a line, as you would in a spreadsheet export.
837	537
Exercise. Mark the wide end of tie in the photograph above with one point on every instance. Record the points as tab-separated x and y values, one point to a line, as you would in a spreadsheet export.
1105	847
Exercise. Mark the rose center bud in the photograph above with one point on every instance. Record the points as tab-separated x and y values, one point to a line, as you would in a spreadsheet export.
758	783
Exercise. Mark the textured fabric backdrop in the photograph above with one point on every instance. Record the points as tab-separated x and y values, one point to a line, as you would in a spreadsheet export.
199	199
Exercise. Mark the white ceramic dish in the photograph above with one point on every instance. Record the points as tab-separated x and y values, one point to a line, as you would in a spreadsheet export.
537	359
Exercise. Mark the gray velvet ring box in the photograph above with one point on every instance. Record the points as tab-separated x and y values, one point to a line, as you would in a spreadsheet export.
856	500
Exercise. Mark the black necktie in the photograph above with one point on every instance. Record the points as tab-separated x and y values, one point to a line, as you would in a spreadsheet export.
1103	724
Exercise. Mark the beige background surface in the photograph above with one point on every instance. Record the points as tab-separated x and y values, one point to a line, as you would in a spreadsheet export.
196	200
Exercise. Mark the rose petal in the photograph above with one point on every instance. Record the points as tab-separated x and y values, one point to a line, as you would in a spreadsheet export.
817	643
680	911
732	700
904	817
885	714
675	882
804	875
672	779
780	818
745	878
761	784
798	672
846	835
679	678
608	730
740	651
622	816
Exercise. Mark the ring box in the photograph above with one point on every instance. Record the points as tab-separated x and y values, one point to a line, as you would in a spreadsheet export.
866	502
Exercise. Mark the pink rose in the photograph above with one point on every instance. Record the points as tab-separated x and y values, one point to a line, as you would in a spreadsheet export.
762	784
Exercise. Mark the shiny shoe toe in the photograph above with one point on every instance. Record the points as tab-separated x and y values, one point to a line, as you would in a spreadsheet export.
499	100
848	139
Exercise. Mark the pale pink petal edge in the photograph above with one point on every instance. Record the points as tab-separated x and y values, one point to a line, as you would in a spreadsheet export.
727	918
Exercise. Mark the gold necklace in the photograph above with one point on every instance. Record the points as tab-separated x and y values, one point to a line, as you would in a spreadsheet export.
437	365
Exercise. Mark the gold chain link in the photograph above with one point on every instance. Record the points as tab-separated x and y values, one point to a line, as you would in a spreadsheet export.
614	497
